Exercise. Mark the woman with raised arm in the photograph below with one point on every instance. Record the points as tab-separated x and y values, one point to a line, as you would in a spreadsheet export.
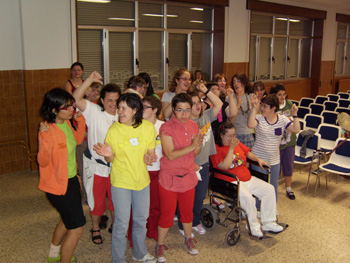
57	169
269	129
181	83
99	117
130	147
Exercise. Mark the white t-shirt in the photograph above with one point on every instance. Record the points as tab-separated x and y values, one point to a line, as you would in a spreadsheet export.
98	123
268	138
167	97
156	166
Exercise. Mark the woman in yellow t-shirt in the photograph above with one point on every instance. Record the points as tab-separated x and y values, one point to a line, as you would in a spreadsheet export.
129	146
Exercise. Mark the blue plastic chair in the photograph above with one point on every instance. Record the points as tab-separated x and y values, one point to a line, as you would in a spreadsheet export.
333	97
330	105
312	121
329	135
302	111
320	99
344	95
316	108
329	117
305	102
341	109
344	103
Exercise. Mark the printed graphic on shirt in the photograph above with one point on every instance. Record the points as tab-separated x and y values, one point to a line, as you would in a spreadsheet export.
134	141
158	140
237	161
206	130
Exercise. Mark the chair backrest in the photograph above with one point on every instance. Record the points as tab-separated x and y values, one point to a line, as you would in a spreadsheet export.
302	111
329	117
333	97
344	103
302	124
316	108
343	95
312	144
329	134
330	105
320	99
296	102
305	102
312	121
341	109
341	155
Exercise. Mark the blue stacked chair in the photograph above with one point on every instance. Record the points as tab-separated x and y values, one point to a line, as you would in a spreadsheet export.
333	97
344	103
330	105
329	117
316	108
341	109
305	102
302	111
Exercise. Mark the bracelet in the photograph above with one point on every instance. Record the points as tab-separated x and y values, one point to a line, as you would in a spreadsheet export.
205	93
295	117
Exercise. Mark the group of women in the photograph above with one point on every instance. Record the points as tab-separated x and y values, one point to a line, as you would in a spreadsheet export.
150	169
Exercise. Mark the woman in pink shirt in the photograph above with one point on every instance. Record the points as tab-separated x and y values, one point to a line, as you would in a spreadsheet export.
181	142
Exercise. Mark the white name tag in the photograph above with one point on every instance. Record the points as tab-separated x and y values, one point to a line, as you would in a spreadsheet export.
134	141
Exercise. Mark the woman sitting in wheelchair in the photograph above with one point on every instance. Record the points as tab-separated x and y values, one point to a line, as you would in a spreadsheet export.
232	156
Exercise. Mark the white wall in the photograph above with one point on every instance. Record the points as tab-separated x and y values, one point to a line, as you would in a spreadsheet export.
10	44
46	34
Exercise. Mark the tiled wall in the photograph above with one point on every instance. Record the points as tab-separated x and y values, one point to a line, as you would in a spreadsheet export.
21	94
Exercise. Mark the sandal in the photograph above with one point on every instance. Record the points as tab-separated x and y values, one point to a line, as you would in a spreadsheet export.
94	238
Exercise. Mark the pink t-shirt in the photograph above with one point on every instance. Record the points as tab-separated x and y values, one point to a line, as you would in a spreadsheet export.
178	175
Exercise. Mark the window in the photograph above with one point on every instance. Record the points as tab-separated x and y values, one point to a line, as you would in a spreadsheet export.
280	47
124	38
342	60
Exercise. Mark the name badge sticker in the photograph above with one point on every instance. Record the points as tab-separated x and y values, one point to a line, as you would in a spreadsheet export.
134	141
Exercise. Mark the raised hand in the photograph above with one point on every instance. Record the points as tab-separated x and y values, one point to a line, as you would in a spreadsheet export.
77	115
229	91
294	110
95	77
201	87
44	127
104	150
255	101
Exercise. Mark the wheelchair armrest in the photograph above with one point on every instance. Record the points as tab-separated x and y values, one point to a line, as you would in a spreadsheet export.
215	170
256	163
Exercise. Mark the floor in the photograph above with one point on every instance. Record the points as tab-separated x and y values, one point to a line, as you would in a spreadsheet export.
318	228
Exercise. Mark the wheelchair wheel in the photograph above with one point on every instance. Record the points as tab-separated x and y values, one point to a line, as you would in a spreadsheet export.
209	217
233	236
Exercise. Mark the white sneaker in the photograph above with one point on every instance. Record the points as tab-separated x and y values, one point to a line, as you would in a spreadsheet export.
273	227
255	230
175	218
200	229
190	244
217	202
147	258
183	233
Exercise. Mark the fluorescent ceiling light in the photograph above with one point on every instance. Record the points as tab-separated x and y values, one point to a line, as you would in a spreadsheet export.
121	18
285	19
159	15
196	9
96	1
196	21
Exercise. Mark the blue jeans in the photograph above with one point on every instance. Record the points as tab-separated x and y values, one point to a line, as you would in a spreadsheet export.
275	174
123	199
201	192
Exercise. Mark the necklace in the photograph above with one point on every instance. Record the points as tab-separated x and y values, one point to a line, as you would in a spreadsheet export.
248	106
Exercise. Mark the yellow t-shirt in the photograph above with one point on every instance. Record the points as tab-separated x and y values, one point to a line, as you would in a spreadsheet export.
129	145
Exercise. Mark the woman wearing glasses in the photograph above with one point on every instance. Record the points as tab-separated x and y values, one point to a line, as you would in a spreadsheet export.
180	83
57	168
232	156
181	142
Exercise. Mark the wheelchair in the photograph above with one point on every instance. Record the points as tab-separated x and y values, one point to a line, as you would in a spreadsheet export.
229	192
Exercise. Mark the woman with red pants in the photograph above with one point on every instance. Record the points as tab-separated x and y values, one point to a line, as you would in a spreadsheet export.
181	142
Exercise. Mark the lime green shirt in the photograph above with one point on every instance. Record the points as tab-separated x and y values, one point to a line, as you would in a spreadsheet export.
129	144
71	145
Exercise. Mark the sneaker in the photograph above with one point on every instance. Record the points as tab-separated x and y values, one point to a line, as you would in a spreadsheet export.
255	230
160	254
147	258
216	202
200	229
183	233
175	218
58	259
290	195
103	222
273	227
190	244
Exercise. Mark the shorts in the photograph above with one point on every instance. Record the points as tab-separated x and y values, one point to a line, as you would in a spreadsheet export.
69	205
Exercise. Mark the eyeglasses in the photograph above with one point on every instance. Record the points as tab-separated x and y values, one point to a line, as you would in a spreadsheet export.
197	103
182	110
185	79
66	107
147	107
230	136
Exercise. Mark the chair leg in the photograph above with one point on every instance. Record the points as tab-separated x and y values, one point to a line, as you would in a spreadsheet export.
326	180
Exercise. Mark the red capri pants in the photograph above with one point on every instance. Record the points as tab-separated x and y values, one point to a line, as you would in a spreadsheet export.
101	188
168	202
